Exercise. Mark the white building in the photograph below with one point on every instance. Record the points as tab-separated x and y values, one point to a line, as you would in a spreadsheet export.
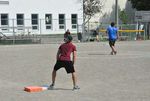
50	16
40	16
108	10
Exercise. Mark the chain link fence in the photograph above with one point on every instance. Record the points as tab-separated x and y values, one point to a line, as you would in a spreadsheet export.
15	31
25	31
127	32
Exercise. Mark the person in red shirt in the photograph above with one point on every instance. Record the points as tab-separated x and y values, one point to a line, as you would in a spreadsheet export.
64	60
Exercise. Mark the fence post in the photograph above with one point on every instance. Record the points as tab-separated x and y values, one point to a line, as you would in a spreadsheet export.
13	27
40	29
144	35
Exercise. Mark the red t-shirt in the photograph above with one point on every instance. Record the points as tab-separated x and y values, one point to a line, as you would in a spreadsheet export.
65	51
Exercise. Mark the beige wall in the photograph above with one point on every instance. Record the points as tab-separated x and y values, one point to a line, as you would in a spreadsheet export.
108	11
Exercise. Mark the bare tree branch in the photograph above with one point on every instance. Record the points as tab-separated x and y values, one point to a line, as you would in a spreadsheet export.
90	8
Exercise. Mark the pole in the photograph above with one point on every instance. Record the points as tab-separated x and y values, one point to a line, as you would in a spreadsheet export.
83	25
40	30
116	13
14	38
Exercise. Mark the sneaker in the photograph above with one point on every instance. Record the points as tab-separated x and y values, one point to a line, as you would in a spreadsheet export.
115	52
76	88
111	53
51	87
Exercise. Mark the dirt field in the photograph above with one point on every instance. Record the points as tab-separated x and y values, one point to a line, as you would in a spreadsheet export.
101	77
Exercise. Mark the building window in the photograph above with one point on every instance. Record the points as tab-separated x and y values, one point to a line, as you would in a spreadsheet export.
20	19
4	22
48	21
4	19
61	21
74	21
34	21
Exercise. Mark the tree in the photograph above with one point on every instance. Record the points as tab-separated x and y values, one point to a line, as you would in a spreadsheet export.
141	4
123	16
90	8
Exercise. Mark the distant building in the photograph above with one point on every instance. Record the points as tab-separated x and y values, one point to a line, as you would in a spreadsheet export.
40	16
108	11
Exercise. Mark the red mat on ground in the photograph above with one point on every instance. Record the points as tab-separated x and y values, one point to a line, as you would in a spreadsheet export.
34	88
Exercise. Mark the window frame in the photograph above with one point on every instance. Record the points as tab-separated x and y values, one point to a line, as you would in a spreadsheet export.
20	19
74	25
35	22
5	20
46	22
61	21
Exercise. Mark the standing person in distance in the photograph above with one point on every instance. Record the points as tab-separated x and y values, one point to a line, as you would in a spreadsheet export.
64	60
112	33
67	33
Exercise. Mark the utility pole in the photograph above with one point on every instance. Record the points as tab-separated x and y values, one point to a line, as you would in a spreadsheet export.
116	13
83	25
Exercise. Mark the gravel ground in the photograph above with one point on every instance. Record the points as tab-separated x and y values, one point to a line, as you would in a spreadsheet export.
101	77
